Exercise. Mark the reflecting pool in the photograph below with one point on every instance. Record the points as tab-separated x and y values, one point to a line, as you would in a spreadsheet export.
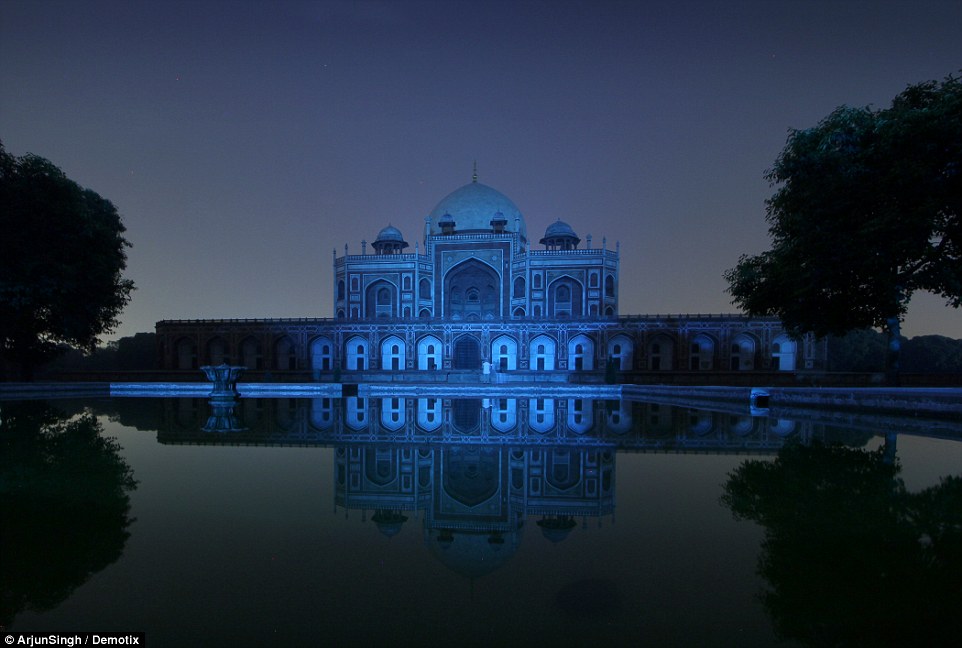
484	521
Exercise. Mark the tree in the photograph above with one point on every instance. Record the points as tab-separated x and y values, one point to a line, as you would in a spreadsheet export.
64	497
850	556
932	354
61	257
861	350
866	212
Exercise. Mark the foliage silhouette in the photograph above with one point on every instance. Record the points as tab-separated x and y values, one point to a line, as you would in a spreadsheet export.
61	259
850	557
867	212
64	505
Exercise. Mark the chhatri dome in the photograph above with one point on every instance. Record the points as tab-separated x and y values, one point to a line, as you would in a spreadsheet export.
560	236
389	241
473	207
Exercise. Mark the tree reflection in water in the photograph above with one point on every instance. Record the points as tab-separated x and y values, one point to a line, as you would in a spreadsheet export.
851	557
64	505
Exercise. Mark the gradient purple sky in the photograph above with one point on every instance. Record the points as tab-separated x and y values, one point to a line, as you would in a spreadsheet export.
243	141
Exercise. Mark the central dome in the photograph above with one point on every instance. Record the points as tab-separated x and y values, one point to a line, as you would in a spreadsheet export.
473	206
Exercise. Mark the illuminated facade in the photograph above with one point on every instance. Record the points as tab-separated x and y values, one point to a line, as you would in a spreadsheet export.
479	302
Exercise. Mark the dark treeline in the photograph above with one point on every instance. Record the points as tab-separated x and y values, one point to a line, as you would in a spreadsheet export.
864	351
136	352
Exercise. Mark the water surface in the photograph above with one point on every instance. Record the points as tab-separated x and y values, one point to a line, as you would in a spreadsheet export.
478	521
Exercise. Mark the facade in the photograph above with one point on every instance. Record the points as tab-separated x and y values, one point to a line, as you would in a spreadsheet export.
481	302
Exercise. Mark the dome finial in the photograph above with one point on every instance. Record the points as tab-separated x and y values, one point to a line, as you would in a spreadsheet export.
474	176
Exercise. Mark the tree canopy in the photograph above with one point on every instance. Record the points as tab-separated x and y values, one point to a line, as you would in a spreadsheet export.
866	212
62	255
64	496
850	556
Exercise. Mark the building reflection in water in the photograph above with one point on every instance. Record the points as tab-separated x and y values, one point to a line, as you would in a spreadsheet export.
612	424
474	470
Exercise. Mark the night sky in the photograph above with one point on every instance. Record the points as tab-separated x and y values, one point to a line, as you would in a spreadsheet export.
243	141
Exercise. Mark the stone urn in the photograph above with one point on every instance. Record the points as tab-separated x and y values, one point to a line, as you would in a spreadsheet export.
224	377
222	417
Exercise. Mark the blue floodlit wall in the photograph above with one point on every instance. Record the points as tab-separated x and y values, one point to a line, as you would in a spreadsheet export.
477	302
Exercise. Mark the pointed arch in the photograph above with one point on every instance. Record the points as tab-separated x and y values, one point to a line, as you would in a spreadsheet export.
504	414
661	352
392	413
519	290
429	414
618	418
429	353
541	414
467	353
562	469
701	356
700	422
380	300
392	353
355	412
504	353
186	350
322	413
565	297
743	352
285	354
541	350
380	465
472	290
621	350
322	354
581	353
783	353
580	415
251	355
356	352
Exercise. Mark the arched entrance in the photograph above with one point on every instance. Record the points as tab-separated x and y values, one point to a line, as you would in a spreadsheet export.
504	353
581	353
564	298
186	351
542	353
743	352
381	300
702	356
467	353
429	353
392	354
661	353
783	354
322	354
472	291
